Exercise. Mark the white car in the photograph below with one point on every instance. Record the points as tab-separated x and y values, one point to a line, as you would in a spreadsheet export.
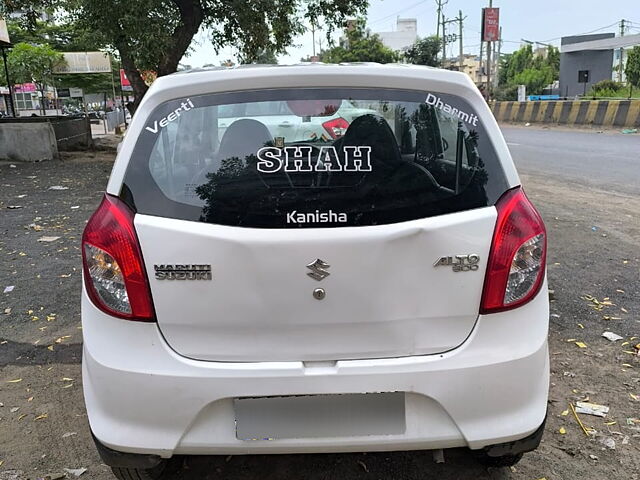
250	292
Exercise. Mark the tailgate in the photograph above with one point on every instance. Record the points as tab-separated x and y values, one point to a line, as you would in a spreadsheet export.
384	295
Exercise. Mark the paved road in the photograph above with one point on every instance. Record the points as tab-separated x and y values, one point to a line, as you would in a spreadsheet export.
607	161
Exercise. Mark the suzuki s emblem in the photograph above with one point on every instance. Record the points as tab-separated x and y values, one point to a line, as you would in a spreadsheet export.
318	269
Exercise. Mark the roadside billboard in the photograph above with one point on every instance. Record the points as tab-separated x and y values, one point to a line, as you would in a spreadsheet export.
4	32
490	24
71	92
84	62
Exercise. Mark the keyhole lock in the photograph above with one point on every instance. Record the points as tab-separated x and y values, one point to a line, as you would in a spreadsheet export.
319	293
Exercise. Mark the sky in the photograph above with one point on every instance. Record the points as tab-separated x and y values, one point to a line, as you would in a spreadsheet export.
540	20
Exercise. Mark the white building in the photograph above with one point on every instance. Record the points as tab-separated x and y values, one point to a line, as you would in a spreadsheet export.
405	34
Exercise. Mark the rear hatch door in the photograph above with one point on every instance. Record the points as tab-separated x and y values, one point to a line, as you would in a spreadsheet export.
371	244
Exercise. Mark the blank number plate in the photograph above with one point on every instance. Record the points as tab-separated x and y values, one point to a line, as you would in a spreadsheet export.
316	416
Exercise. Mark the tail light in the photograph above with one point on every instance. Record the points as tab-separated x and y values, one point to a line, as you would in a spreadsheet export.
517	261
112	262
336	127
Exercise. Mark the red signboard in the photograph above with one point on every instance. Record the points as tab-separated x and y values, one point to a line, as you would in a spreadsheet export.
25	88
490	24
147	75
124	81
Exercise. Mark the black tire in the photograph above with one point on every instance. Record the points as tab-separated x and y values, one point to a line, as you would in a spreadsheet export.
502	461
166	470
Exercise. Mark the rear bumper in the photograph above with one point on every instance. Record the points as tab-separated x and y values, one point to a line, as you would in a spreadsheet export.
144	398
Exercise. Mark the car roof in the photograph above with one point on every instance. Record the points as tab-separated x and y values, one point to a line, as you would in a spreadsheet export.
308	75
297	65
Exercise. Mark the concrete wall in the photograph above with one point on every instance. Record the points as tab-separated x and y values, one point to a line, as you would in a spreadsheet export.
598	62
27	142
72	133
607	113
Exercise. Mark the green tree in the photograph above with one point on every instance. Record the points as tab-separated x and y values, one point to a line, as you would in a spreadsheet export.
424	51
359	45
632	70
519	61
30	10
155	34
524	67
553	60
264	56
34	63
65	36
535	79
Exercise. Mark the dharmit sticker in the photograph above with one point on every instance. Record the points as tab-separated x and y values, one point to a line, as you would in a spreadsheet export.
437	102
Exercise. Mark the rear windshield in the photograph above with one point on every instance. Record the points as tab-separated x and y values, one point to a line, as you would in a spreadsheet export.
300	158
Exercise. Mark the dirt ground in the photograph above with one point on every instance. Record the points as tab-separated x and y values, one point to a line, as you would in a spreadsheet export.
43	425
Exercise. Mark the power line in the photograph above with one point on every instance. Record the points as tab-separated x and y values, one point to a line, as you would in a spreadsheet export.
396	13
585	33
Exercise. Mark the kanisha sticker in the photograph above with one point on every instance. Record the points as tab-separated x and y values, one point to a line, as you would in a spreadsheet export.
437	102
316	217
164	121
299	159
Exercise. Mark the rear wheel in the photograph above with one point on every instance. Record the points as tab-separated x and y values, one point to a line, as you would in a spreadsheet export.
501	461
165	470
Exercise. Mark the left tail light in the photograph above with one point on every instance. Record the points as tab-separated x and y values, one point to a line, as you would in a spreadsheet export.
517	261
113	267
336	127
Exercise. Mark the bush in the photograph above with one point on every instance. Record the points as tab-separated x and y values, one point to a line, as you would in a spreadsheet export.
607	85
506	92
607	89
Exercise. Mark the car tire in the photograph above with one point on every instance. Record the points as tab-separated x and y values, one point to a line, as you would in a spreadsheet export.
502	461
165	470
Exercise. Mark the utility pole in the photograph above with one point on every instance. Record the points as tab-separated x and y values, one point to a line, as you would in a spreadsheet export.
452	37
488	93
460	40
496	79
620	65
481	59
444	41
440	3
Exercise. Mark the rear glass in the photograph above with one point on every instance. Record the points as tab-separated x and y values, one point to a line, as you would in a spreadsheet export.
312	158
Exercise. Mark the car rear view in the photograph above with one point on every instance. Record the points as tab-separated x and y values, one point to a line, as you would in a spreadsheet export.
313	259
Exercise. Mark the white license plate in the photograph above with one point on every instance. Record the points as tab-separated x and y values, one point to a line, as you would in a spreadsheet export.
320	416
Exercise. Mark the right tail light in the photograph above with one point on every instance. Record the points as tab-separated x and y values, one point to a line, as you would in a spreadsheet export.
517	260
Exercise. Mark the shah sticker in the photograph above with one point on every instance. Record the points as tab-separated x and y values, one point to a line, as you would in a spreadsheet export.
299	159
